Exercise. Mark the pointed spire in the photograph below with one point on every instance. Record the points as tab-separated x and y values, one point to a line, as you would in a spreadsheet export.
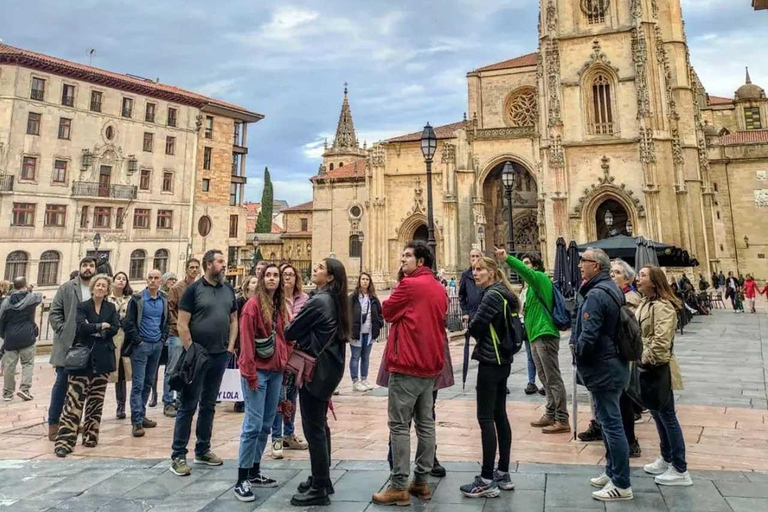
345	131
749	79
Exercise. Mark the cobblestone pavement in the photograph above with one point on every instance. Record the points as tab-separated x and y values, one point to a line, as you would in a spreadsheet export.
143	485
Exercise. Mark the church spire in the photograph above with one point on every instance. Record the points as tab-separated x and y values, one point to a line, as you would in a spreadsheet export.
749	79
345	131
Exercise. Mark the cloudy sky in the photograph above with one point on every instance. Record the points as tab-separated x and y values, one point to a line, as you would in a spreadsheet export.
405	60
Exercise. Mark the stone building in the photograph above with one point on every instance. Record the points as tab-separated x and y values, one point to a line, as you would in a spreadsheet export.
297	237
760	4
607	116
86	151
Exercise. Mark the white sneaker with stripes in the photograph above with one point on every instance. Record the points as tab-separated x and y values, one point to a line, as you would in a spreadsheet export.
612	493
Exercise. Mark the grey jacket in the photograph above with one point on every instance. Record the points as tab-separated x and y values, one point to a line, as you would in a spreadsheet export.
63	319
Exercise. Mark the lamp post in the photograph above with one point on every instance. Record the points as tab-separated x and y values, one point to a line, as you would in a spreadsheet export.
428	148
361	238
508	179
96	244
609	223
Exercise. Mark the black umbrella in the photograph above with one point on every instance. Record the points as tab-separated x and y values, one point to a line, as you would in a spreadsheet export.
561	269
641	253
574	273
620	246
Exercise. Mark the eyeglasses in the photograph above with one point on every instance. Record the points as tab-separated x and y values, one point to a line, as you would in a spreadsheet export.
582	260
289	274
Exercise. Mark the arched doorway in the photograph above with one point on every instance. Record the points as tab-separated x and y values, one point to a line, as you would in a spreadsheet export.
524	210
614	224
421	233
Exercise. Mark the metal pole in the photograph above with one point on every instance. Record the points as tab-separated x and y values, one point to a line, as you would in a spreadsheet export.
511	241
430	218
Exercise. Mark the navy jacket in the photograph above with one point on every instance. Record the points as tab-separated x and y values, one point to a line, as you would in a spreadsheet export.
491	311
597	359
470	294
17	319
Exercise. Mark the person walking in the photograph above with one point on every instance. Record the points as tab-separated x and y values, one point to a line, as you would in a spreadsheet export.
96	324
175	349
624	275
146	329
545	343
120	296
602	371
284	427
488	326
657	315
63	320
732	291
208	318
366	325
261	365
750	292
530	388
19	330
321	329
415	355
5	287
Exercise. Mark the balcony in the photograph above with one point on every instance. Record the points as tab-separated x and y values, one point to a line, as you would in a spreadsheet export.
89	189
6	183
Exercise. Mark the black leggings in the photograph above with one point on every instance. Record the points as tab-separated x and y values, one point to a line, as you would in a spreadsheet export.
314	419
628	416
492	416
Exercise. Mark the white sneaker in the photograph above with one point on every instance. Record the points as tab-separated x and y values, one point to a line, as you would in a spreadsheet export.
277	449
600	481
612	493
367	385
657	467
674	477
358	386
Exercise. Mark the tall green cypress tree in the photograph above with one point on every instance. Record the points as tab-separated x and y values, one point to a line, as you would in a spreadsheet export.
264	222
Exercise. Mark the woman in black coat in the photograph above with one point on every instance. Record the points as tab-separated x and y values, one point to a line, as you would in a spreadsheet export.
366	325
97	324
489	327
321	329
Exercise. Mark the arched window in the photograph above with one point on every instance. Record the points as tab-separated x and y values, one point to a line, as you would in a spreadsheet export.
601	106
138	262
16	265
331	167
161	260
48	269
341	164
309	251
595	10
355	247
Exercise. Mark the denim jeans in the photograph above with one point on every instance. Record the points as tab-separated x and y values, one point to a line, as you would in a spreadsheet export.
361	354
670	435
58	395
281	427
144	361
260	410
608	414
531	365
204	390
175	349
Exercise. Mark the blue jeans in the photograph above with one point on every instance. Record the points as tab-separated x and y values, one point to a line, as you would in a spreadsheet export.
281	427
175	349
260	410
671	435
531	365
58	395
204	390
608	414
144	361
360	354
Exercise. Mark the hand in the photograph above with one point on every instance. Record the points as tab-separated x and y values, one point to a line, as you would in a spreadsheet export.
231	350
465	318
105	326
186	343
500	253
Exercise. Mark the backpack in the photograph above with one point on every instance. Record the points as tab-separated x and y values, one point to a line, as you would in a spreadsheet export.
629	341
559	312
513	338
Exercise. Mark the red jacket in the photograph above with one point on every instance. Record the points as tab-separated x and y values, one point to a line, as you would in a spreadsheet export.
252	326
750	288
416	309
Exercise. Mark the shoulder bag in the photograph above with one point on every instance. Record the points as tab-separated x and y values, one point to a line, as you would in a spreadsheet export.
302	365
265	347
78	358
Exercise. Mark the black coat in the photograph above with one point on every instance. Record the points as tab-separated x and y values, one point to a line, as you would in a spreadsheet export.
312	329
491	312
90	334
193	362
17	319
377	320
469	293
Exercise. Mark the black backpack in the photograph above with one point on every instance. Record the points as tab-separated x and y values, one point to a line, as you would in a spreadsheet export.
512	341
629	340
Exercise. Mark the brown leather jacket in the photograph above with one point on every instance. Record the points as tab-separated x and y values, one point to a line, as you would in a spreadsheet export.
174	296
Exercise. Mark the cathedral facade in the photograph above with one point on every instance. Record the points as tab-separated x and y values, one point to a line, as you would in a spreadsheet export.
607	116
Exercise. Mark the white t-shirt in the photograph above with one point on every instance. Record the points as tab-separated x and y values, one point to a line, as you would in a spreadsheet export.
85	290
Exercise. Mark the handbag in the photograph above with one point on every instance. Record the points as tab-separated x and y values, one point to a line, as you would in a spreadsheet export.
265	347
303	365
78	358
655	386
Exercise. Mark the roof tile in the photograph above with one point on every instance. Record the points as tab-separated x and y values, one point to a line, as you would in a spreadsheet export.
299	207
719	100
523	61
445	131
354	169
747	137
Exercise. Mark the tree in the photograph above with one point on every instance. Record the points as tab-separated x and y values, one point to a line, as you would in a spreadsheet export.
264	222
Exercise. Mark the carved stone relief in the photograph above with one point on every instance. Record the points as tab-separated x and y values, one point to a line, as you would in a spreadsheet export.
663	58
677	149
597	57
607	183
640	58
553	80
556	153
647	146
521	109
448	155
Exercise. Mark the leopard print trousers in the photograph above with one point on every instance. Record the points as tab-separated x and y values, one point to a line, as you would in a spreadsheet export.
83	392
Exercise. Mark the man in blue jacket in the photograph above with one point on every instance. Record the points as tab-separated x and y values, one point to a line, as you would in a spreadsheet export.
602	371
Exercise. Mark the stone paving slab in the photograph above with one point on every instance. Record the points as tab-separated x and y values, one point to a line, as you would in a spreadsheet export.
539	488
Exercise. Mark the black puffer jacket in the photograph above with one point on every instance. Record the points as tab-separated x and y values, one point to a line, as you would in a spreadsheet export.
312	329
491	311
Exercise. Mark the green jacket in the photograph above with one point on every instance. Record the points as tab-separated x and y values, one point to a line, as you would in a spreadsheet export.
538	321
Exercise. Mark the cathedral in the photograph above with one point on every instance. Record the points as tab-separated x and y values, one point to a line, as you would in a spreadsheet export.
607	116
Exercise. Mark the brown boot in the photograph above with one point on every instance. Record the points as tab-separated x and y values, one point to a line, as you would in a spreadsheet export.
138	431
545	421
557	428
52	431
421	491
392	496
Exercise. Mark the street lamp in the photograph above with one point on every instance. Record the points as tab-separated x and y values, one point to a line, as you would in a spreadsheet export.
361	238
96	244
629	227
508	179
609	223
428	148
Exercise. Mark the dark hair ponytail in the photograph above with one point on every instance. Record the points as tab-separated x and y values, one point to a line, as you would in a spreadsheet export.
338	289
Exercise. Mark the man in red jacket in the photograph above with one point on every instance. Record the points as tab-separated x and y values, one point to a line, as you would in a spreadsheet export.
414	355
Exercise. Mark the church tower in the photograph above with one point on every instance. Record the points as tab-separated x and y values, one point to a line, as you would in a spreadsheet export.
620	123
346	148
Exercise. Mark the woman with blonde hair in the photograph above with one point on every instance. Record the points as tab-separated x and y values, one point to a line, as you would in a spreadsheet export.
489	326
660	373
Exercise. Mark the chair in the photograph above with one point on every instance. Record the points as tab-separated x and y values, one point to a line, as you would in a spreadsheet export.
717	300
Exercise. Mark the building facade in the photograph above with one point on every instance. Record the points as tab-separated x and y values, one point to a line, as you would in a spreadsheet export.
86	151
607	116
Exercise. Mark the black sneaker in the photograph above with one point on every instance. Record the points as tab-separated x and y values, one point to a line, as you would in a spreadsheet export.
634	450
261	482
243	491
542	391
480	489
307	484
531	389
437	470
593	433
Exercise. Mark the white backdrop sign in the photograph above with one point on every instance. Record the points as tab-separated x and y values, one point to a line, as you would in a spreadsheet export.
231	390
